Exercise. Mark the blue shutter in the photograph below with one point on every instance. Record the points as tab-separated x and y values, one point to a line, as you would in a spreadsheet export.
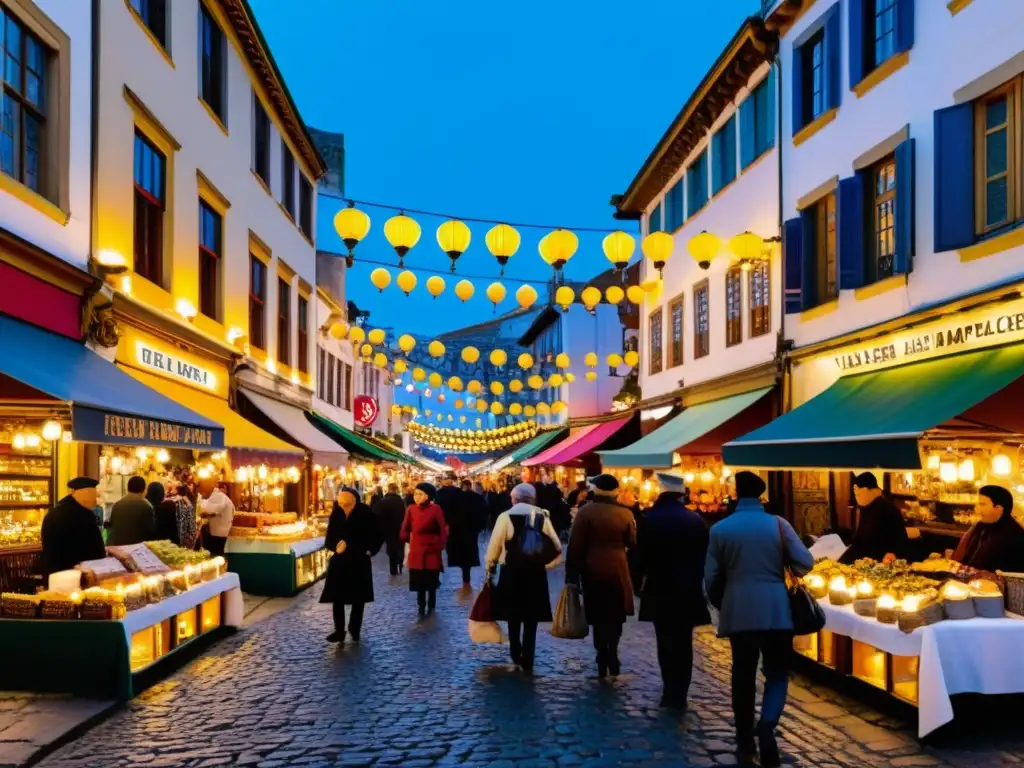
792	246
654	220
797	93
769	87
833	60
904	26
856	30
747	130
730	149
809	259
903	256
717	160
851	231
954	177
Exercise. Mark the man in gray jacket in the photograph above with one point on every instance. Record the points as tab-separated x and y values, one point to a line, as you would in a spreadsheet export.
132	518
744	579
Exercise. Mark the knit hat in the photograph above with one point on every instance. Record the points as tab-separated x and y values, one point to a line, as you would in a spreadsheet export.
428	489
606	484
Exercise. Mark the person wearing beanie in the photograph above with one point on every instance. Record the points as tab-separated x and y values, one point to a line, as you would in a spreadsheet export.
880	527
672	542
426	531
596	560
996	542
744	576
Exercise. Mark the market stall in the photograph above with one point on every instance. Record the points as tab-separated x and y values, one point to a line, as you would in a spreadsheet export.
579	449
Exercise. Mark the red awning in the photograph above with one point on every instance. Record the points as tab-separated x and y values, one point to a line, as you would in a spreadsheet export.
580	441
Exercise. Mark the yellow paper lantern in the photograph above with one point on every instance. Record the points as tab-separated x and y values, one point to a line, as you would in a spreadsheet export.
464	290
590	359
356	335
497	408
380	360
529	411
558	406
440	417
474	386
497	388
459	404
455	385
434	379
418	374
470	354
338	330
614	360
650	286
746	247
352	225
435	349
570	377
496	293
366	350
635	294
591	375
396	409
481	406
498	357
535	382
590	296
515	409
658	247
376	336
462	419
401	366
526	296
435	285
402	233
562	360
543	408
564	297
614	294
427	413
406	281
406	343
515	386
380	278
631	358
557	247
503	242
703	248
525	361
555	380
454	237
618	248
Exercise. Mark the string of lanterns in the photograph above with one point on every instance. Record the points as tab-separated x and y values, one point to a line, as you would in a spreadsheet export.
472	441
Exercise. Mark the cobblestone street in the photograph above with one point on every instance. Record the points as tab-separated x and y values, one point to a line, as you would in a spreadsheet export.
417	693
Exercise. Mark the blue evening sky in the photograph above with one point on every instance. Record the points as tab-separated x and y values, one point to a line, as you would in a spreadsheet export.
530	112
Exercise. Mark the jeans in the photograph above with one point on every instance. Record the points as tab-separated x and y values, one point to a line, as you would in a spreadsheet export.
522	641
606	643
773	649
675	658
355	621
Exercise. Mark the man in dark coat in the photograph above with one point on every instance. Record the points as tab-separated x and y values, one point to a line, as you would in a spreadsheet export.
466	515
390	512
596	559
672	542
69	533
880	529
353	537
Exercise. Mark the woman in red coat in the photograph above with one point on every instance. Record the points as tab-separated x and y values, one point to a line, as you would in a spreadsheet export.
425	530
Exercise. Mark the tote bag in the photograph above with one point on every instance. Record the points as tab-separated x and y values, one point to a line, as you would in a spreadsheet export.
808	617
569	623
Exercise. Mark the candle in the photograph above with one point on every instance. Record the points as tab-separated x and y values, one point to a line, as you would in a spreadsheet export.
886	601
815	581
838	583
911	603
954	591
865	589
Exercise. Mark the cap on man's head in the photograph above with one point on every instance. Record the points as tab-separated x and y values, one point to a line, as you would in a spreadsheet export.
81	483
866	480
999	496
749	485
604	483
671	481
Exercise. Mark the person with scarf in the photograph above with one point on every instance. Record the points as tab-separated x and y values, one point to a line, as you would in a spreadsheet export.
425	529
997	541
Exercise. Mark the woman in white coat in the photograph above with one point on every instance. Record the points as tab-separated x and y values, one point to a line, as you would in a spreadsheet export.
521	595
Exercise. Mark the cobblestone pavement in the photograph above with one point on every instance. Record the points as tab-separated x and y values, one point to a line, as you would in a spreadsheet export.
417	693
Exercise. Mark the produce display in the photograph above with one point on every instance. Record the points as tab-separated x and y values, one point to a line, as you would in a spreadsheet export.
177	557
936	563
14	534
263	519
894	578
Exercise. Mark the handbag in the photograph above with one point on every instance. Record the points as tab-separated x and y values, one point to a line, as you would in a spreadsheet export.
808	616
569	623
483	629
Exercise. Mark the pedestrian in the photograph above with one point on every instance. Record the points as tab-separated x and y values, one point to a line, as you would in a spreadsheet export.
596	559
353	537
744	576
390	513
69	534
166	513
187	531
131	518
521	596
427	533
627	499
499	500
466	516
672	543
218	511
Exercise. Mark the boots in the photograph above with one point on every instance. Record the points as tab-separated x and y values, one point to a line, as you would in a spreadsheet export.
770	757
432	601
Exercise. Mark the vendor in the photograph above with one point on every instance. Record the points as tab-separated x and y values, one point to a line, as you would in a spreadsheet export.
69	533
880	528
997	542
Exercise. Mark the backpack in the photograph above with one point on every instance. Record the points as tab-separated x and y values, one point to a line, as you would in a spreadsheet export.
530	545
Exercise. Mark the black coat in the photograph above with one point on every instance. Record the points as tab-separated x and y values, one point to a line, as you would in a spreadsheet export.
390	512
880	530
466	515
167	522
349	577
672	543
69	536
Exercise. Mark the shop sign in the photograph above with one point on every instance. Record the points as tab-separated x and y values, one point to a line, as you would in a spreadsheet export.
96	426
959	332
171	365
365	410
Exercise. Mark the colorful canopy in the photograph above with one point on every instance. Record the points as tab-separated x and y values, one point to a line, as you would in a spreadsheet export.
531	447
874	420
580	441
655	451
293	422
356	444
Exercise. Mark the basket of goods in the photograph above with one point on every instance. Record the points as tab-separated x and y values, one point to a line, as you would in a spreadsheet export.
936	565
135	597
864	602
210	570
139	558
154	588
839	593
887	610
918	611
1014	593
816	585
176	581
100	604
988	600
58	605
18	606
957	601
175	557
95	571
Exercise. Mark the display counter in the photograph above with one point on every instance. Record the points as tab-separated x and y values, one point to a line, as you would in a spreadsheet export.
108	659
276	568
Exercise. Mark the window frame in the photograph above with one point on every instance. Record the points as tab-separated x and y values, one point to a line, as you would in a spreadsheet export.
261	134
302	334
871	40
655	331
284	320
702	328
331	386
880	222
160	33
697	179
762	115
288	197
306	207
816	42
153	264
216	254
321	374
1013	90
27	109
734	324
760	322
214	73
824	242
257	302
676	344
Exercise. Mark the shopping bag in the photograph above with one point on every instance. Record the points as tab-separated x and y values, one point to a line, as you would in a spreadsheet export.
485	632
405	561
482	626
483	606
569	622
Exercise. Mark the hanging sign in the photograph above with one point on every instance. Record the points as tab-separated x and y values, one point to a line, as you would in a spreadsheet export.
365	410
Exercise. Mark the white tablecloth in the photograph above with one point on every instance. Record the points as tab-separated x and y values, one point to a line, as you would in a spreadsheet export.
968	656
171	606
240	546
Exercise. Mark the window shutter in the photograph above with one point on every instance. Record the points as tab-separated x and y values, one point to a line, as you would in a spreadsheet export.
856	29
770	95
903	256
833	59
797	94
904	25
954	177
851	231
792	245
808	260
747	129
717	160
730	149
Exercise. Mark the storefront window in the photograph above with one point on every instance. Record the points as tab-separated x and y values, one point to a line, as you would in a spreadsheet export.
825	248
760	299
26	470
675	311
257	302
655	340
701	320
733	306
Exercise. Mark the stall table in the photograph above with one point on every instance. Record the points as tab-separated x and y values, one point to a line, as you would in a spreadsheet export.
926	666
105	659
276	568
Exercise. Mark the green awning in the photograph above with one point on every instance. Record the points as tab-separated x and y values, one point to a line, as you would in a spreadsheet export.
530	448
355	443
874	420
654	451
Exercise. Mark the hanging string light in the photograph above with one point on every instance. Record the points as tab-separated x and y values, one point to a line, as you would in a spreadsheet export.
498	357
635	294
434	380
464	290
515	386
356	335
406	281
658	247
526	296
562	360
400	366
557	247
525	361
435	349
406	343
380	278
631	358
454	238
564	297
376	336
703	248
352	225
496	293
470	355
614	295
455	385
591	297
618	249
503	242
380	360
402	233
338	330
435	285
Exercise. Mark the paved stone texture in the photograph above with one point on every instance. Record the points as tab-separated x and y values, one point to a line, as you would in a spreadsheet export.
31	722
416	692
